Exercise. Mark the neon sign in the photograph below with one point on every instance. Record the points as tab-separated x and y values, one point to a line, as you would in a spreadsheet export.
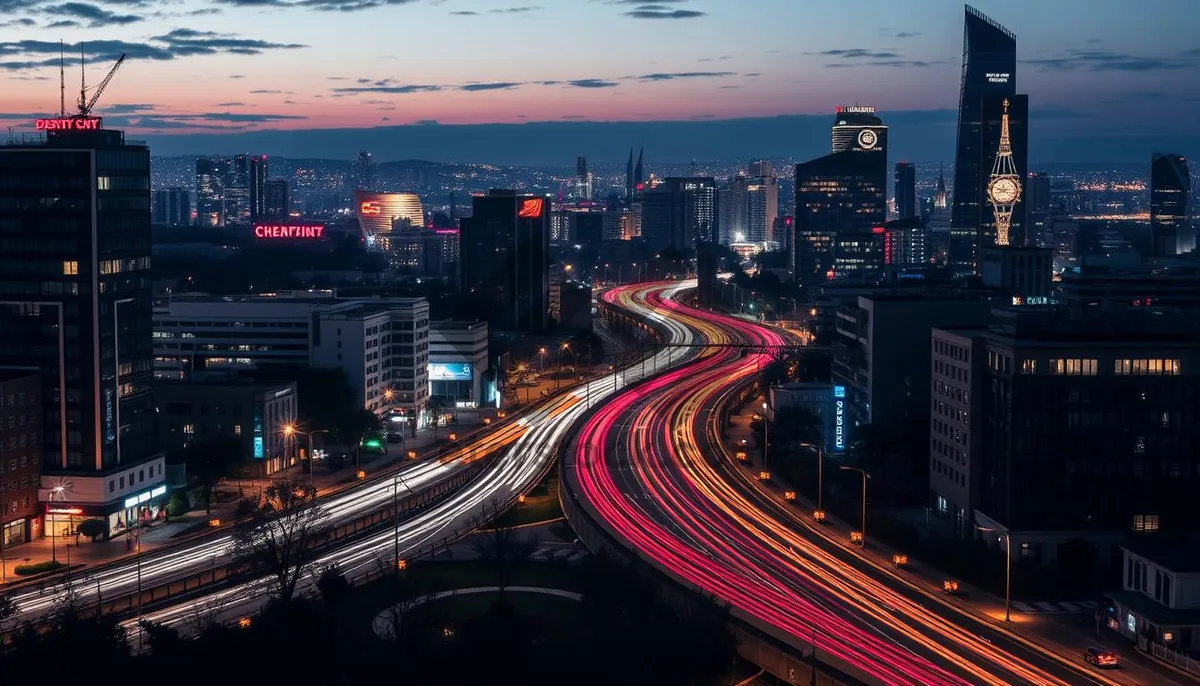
64	510
68	124
856	109
306	231
531	208
369	208
998	77
839	414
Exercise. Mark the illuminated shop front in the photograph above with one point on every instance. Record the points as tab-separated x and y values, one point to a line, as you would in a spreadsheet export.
64	519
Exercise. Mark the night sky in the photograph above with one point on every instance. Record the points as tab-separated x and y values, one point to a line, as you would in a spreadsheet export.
1109	80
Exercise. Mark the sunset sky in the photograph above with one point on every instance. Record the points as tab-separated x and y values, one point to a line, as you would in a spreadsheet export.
199	66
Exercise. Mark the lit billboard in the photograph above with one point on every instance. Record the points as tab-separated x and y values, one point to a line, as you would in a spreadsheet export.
839	418
378	212
450	371
292	231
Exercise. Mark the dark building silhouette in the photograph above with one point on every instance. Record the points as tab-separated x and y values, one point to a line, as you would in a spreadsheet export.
906	190
505	258
989	72
78	308
629	183
258	186
237	191
1170	205
1037	210
840	194
172	206
680	213
211	174
276	198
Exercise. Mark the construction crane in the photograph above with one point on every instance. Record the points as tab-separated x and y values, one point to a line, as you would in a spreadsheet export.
85	103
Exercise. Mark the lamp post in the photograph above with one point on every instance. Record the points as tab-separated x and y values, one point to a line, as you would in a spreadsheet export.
766	432
865	476
542	360
820	471
1007	567
57	491
396	513
291	430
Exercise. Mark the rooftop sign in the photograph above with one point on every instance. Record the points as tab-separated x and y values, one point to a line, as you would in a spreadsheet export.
298	231
68	124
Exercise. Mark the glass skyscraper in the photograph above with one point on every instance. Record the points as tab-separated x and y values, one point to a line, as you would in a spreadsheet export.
1170	196
989	71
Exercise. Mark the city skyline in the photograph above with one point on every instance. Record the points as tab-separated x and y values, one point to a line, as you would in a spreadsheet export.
195	75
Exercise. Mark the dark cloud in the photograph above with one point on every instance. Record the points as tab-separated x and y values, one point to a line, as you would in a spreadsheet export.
94	15
907	34
588	83
127	108
237	76
860	53
685	75
396	90
230	104
261	91
21	21
237	117
497	86
319	5
503	10
169	46
1099	60
63	24
882	63
661	12
427	122
643	2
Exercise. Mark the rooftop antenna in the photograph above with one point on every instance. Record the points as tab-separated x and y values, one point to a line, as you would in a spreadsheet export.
62	82
82	81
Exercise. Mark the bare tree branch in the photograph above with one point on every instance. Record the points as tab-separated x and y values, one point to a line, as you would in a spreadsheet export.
278	537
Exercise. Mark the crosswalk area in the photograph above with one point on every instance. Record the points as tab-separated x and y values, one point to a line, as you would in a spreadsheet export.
1060	608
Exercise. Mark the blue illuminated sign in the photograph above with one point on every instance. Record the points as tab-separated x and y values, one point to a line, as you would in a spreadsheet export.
258	434
446	371
839	416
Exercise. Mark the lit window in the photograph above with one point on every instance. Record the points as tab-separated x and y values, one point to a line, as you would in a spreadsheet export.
1029	366
1145	522
189	429
70	268
237	429
103	183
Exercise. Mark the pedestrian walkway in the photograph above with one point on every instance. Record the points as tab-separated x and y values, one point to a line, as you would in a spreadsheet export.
1057	608
82	551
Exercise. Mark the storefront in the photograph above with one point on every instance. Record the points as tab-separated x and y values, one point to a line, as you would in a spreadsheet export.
141	508
63	519
15	533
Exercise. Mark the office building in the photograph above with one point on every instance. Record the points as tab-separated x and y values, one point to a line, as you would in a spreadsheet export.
843	192
1159	598
21	444
905	243
253	412
211	175
1107	288
458	364
859	256
989	73
825	403
172	207
1023	273
955	432
276	199
1083	427
858	127
761	203
731	210
572	308
906	190
679	213
362	173
237	191
75	303
1037	211
382	214
1171	226
258	187
505	259
582	185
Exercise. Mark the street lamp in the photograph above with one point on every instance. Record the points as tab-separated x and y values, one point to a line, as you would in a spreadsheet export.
865	476
542	360
291	430
820	471
1007	567
57	491
766	432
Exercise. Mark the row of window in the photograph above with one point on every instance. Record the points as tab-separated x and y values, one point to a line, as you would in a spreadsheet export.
1091	367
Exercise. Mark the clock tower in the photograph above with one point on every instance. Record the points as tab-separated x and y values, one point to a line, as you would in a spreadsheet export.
1004	185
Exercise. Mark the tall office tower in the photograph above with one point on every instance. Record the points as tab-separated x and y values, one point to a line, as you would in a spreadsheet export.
762	203
363	172
940	198
258	186
731	210
505	256
989	72
210	191
237	191
276	200
75	303
1037	210
172	206
680	213
841	193
581	185
639	172
1170	205
629	186
906	190
849	125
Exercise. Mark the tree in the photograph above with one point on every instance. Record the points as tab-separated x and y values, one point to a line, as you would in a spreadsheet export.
434	407
504	548
277	538
211	459
8	610
357	426
794	425
92	528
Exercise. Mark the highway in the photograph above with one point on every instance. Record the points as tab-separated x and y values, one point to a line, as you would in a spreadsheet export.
646	468
530	443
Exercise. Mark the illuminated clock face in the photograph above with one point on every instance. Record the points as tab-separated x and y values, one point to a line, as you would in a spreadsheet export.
867	138
1004	191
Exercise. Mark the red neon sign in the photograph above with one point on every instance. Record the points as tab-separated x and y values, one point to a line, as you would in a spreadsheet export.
68	124
301	231
369	208
531	208
64	510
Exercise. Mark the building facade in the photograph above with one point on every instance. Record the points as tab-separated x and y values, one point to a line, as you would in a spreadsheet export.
75	303
211	175
906	190
20	455
1171	226
172	206
458	364
679	213
505	259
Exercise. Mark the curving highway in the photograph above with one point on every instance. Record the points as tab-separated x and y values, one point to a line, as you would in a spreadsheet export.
646	468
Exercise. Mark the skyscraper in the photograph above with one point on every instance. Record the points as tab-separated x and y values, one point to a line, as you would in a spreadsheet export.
237	191
850	123
906	190
363	173
680	213
276	199
762	203
505	258
75	303
639	172
940	198
989	71
210	191
258	186
1170	205
629	185
172	206
841	194
581	187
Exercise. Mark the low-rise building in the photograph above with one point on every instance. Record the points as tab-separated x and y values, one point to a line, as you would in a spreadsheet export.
20	454
255	413
458	364
1159	600
825	402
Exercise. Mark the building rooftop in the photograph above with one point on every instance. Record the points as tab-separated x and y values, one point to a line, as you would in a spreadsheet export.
1138	325
1178	554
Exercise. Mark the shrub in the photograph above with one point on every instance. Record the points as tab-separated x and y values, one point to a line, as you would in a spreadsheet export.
37	568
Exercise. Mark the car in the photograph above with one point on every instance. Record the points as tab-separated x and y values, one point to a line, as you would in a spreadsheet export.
1101	657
